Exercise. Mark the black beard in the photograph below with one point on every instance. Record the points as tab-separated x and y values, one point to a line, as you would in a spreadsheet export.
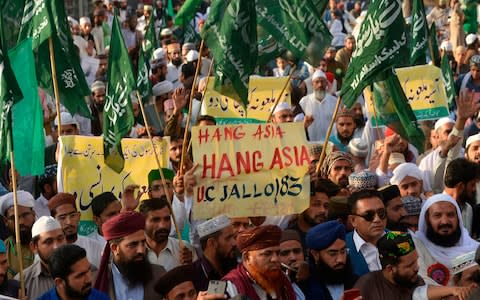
464	198
328	275
98	106
405	283
396	226
227	263
177	61
360	122
160	235
442	240
135	271
71	238
73	294
311	222
25	236
344	140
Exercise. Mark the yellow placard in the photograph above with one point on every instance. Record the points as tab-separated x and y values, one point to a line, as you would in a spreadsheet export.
82	171
262	92
425	91
250	170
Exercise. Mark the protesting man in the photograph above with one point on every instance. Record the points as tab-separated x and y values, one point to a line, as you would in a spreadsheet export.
119	275
293	261
394	207
47	235
63	208
337	166
104	207
259	275
70	269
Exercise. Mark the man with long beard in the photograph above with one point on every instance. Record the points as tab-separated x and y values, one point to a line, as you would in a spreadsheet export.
26	219
319	105
259	276
161	249
217	239
399	277
345	126
440	238
70	269
337	166
128	274
332	273
97	101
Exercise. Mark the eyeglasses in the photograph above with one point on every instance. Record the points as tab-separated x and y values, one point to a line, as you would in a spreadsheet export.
369	215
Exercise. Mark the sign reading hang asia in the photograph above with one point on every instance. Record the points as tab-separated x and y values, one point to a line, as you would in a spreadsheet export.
83	173
250	170
425	90
262	92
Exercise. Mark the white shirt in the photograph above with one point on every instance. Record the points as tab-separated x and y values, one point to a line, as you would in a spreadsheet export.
369	252
322	113
97	237
169	257
41	207
93	248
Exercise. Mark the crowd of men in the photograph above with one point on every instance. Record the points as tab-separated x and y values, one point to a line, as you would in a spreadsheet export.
384	221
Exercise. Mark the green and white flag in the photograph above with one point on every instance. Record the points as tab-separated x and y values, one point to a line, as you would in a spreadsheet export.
187	12
144	86
189	34
382	45
296	26
433	45
230	33
419	34
448	81
44	19
27	116
117	112
149	43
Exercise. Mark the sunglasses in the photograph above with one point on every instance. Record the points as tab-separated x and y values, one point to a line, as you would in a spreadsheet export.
369	215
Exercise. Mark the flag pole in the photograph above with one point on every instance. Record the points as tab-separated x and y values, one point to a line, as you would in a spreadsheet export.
55	84
281	93
162	176
374	113
189	114
201	101
17	224
327	137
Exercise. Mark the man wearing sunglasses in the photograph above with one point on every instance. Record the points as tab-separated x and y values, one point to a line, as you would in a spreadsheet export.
368	218
63	208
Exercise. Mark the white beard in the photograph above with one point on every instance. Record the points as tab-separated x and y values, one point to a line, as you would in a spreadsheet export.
319	94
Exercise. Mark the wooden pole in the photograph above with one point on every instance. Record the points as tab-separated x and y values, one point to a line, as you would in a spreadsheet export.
162	176
292	70
55	85
374	113
17	224
189	114
327	137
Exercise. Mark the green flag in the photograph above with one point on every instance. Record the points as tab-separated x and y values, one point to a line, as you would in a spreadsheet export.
296	26
392	106
189	34
117	112
268	47
11	20
43	19
433	45
230	33
170	10
150	41
448	80
28	135
419	34
187	12
381	45
144	85
9	94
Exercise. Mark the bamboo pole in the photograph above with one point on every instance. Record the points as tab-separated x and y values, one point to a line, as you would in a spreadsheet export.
292	70
55	84
162	176
189	114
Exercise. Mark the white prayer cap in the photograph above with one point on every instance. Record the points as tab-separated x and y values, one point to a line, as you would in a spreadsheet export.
97	85
192	55
107	2
318	74
72	21
357	147
162	88
213	225
159	53
85	20
446	46
45	224
24	199
281	106
471	139
463	262
443	121
404	170
166	31
147	7
396	158
470	39
67	119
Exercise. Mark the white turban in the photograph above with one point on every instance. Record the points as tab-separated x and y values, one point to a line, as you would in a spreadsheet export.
281	106
444	255
24	199
443	121
471	139
162	88
85	20
318	74
192	55
159	53
45	224
404	170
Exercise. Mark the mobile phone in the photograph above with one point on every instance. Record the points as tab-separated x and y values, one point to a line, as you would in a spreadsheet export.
351	294
216	287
